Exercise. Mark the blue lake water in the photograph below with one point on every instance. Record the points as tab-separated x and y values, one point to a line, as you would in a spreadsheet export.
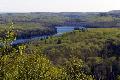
64	29
60	31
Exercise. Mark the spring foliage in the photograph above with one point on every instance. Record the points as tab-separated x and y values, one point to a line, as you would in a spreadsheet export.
16	64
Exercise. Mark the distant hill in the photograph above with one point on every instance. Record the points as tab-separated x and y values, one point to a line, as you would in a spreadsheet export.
87	19
114	11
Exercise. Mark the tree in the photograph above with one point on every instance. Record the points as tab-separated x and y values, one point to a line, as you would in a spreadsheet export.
29	67
25	66
8	36
6	42
75	69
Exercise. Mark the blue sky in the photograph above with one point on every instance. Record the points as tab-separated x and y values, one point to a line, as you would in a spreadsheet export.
58	5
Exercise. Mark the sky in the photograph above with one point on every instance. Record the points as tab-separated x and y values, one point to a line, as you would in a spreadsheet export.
59	5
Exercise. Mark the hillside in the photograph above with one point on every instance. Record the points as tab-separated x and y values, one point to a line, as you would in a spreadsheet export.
97	48
87	55
49	19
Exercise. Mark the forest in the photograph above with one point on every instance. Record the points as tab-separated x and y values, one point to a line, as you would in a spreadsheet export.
92	54
49	19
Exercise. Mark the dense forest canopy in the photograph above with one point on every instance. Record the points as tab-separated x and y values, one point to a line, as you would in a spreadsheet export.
78	55
82	54
86	19
97	48
40	23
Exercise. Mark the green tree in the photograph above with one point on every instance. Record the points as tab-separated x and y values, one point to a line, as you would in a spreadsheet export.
8	36
29	67
75	69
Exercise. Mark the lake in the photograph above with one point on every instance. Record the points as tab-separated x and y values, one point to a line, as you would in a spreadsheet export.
60	31
64	29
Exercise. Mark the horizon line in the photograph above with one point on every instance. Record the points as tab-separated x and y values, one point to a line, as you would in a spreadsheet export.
55	11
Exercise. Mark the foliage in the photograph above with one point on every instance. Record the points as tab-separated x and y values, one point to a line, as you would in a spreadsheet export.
76	70
98	48
78	55
6	40
16	64
30	67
